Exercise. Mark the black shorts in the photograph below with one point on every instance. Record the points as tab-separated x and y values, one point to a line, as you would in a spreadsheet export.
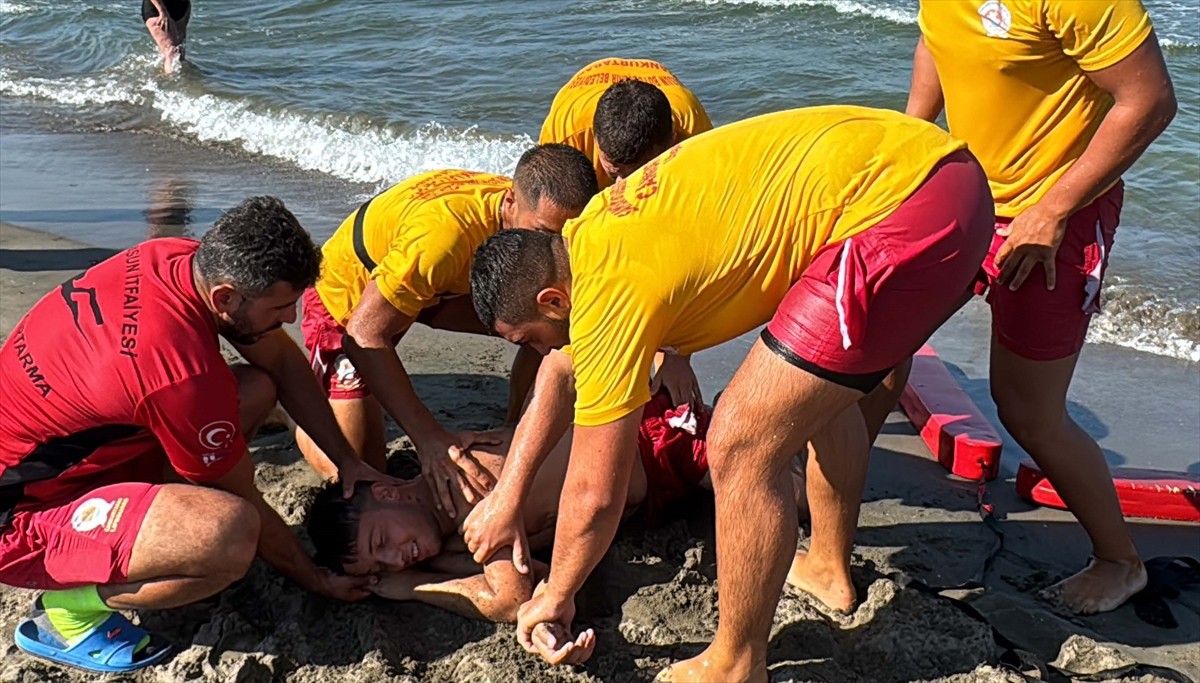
178	9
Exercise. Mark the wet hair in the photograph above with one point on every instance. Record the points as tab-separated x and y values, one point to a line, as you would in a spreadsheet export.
333	524
562	174
255	245
633	122
510	268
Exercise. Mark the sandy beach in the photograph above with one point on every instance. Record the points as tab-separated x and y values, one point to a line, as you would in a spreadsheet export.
653	599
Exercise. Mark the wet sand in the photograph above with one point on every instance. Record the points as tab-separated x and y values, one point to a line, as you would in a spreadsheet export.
653	599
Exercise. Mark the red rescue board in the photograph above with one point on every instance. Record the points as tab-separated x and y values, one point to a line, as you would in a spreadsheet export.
1156	494
957	434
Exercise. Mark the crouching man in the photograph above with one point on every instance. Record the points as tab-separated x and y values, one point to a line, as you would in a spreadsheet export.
114	384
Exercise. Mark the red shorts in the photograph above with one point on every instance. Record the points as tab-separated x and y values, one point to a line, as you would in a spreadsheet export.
1039	324
323	340
868	302
675	458
86	541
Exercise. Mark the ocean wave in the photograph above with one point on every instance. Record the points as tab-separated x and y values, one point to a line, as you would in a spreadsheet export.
77	91
895	15
338	145
14	8
1137	319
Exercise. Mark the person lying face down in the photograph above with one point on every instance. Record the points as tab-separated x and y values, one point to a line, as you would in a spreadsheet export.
396	532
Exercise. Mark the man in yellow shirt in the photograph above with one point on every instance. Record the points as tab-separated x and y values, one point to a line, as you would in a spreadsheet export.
622	113
405	257
855	232
1057	98
618	124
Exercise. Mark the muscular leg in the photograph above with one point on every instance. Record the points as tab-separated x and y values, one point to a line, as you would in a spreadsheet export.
193	543
769	411
1031	397
835	475
875	408
196	541
361	420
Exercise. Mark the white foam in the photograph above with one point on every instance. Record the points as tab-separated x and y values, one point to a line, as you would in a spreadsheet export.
77	91
1135	319
336	145
1180	43
14	8
896	15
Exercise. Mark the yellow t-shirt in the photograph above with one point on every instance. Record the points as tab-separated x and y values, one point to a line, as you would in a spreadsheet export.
701	244
1014	77
570	119
422	233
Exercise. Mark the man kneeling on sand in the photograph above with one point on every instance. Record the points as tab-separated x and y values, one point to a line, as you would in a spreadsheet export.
397	533
114	385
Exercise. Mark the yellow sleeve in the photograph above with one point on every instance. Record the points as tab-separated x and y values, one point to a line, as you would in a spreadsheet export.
614	336
547	135
425	260
1096	34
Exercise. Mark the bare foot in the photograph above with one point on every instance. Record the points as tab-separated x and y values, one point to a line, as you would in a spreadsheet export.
705	667
1102	586
827	585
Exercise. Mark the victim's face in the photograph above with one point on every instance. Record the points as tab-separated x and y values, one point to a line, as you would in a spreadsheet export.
393	537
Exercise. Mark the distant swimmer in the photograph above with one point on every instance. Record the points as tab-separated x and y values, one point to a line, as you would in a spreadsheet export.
167	21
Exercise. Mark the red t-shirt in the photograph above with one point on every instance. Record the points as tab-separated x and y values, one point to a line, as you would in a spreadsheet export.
125	352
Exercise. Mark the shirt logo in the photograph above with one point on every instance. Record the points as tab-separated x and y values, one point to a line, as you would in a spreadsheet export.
997	20
94	513
216	435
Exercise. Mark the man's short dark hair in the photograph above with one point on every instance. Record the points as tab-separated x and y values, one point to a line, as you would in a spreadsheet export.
255	245
333	524
633	122
510	268
560	173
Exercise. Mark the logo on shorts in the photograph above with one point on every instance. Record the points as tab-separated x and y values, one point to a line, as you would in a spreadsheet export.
209	458
95	513
217	435
997	20
345	376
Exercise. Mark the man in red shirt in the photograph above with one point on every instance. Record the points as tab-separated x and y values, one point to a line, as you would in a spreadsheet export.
114	380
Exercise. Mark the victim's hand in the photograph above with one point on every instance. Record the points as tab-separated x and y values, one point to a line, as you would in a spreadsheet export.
557	646
550	616
1032	238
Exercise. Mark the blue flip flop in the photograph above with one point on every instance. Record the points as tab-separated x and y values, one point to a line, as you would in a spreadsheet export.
108	648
